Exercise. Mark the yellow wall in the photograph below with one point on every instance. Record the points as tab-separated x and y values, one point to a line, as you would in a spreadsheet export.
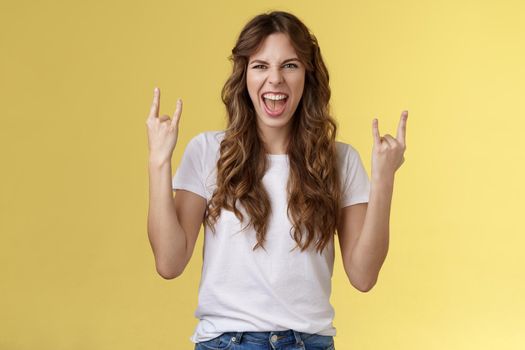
76	83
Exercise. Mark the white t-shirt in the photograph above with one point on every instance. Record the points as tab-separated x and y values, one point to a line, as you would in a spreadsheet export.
245	290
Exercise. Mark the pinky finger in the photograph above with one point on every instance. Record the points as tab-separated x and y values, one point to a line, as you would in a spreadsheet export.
375	132
177	113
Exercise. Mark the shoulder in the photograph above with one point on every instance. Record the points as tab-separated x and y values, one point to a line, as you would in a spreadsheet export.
206	139
345	151
205	145
209	138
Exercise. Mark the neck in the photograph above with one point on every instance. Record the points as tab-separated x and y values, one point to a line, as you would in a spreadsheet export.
275	140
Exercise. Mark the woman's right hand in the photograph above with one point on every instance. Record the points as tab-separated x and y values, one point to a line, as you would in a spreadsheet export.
162	131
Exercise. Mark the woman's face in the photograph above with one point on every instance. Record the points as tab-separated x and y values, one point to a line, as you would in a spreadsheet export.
275	81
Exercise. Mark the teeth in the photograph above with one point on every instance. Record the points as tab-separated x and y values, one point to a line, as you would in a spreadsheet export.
275	97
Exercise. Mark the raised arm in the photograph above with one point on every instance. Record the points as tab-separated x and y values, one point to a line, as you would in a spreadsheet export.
173	222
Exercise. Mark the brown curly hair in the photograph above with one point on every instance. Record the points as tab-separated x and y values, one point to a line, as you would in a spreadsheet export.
313	188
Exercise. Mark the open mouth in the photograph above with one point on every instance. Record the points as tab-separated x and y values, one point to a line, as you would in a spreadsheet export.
274	104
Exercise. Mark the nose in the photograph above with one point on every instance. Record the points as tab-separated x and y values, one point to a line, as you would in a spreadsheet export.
275	76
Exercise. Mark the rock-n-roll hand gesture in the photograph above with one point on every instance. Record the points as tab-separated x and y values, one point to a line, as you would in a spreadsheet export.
162	131
387	152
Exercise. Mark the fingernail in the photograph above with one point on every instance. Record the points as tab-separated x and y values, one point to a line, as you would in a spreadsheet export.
156	89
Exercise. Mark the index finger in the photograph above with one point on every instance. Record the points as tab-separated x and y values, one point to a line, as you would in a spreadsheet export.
401	129
154	111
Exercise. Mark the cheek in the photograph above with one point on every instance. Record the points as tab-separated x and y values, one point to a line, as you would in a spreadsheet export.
298	86
295	79
252	85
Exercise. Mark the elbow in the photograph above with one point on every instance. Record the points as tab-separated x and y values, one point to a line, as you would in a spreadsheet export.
168	274
362	281
169	268
364	286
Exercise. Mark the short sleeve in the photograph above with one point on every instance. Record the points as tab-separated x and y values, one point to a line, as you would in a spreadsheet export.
356	185
190	172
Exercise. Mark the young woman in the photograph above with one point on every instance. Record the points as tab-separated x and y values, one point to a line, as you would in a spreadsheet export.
271	190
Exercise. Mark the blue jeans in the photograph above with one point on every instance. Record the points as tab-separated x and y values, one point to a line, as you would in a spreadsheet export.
276	340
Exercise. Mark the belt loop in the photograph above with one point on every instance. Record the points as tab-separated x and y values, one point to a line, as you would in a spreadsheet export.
297	336
238	337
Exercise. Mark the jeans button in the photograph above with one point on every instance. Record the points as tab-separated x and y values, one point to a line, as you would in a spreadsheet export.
274	338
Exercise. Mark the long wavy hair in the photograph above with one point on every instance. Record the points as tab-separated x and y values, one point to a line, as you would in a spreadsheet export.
313	188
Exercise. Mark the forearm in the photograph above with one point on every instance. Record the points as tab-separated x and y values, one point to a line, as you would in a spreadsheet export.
372	246
166	236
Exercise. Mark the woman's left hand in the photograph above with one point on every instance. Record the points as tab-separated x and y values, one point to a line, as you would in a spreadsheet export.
387	152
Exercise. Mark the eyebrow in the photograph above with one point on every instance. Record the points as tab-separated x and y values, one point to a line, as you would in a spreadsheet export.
285	61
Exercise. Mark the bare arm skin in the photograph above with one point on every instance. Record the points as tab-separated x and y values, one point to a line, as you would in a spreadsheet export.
364	229
173	221
364	237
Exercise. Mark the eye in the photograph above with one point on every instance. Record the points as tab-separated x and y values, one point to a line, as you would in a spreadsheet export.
258	66
290	65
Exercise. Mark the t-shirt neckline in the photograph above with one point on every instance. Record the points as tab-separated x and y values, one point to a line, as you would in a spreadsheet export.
277	156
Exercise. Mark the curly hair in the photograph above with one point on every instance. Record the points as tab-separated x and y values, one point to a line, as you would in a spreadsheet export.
313	188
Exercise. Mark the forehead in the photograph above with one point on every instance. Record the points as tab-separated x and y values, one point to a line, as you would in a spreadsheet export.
276	46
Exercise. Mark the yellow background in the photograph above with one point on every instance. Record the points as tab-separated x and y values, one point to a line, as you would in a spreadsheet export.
76	84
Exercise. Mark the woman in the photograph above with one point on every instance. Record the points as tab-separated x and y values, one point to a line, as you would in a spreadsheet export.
271	190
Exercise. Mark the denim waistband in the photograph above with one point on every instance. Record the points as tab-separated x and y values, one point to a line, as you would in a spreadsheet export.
275	337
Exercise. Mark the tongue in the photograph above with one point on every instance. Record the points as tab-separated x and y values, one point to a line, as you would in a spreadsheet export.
274	105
